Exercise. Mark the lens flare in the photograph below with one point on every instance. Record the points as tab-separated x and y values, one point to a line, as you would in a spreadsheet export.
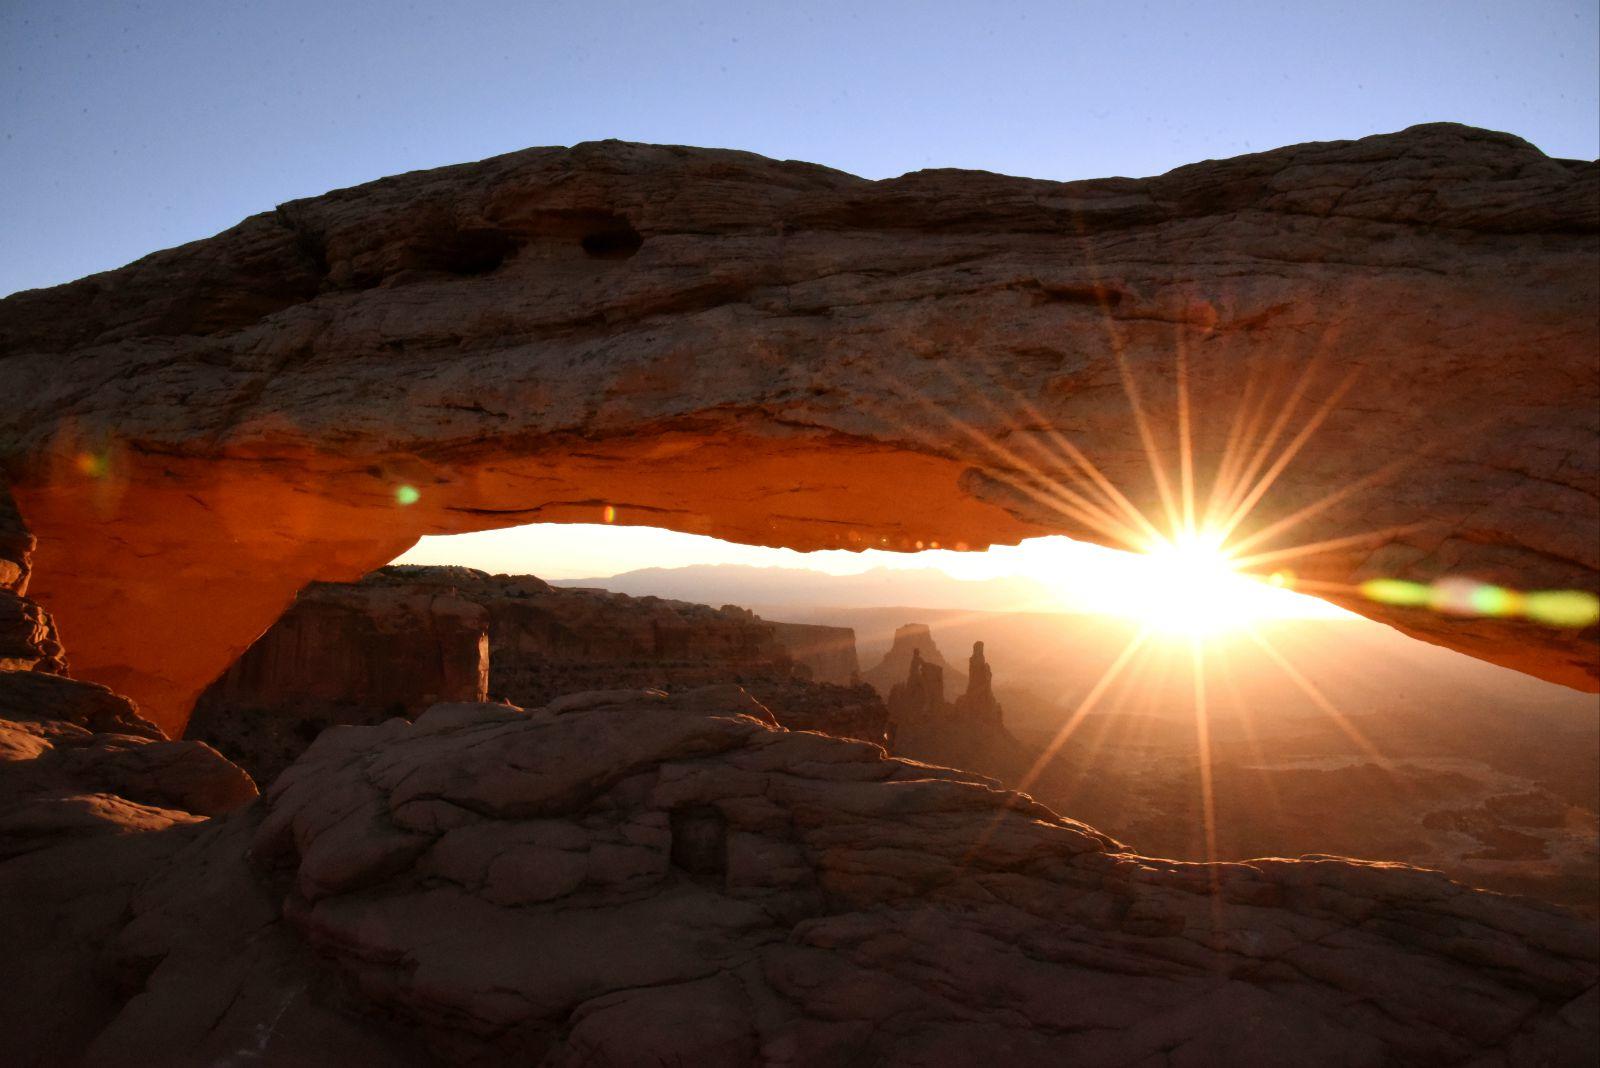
1562	608
1459	596
405	495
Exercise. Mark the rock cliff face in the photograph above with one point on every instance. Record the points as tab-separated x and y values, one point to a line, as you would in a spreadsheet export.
404	638
772	352
28	640
345	654
828	653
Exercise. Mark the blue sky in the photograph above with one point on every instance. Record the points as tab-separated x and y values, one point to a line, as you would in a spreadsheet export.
128	127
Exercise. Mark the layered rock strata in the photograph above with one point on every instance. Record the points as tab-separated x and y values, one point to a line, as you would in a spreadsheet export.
827	653
345	654
1387	348
406	637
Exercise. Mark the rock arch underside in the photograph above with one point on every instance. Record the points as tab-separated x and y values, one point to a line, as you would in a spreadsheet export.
783	354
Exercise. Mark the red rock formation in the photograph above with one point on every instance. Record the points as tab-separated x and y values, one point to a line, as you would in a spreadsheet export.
76	760
782	354
968	732
829	653
636	878
919	694
28	640
405	638
913	642
978	704
345	654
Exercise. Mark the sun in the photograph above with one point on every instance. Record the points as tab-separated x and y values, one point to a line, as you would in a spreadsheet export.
1193	587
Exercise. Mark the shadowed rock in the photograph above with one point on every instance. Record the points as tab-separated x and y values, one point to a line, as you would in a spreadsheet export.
407	637
645	878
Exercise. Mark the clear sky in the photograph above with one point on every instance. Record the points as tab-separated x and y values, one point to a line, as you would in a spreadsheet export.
128	127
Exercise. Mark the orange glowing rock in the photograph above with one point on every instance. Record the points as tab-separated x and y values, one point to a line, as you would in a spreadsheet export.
781	354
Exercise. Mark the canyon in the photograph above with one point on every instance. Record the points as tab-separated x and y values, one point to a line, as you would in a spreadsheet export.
1495	791
629	873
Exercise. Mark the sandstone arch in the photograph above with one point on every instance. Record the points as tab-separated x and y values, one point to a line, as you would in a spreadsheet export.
778	353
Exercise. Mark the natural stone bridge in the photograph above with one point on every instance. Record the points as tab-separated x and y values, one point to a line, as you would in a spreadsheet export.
1399	333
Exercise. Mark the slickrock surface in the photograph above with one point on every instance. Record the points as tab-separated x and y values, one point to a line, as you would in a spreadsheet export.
77	759
405	638
782	354
632	878
85	782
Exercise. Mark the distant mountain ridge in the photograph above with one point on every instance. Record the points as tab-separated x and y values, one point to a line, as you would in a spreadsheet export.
800	587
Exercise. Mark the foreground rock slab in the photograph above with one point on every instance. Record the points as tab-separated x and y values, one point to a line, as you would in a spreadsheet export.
632	878
781	354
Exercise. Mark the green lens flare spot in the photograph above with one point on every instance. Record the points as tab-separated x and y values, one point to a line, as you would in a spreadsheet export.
1397	591
1495	601
407	495
1562	608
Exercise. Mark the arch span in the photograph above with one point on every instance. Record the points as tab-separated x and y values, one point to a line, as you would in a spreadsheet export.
1377	358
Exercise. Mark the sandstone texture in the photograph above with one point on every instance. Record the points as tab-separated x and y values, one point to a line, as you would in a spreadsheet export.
404	638
75	758
628	877
783	354
345	654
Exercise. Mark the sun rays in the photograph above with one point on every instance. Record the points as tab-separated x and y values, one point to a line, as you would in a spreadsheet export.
1210	525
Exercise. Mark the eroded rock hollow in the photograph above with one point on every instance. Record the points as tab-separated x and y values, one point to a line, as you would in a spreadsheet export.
1398	333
